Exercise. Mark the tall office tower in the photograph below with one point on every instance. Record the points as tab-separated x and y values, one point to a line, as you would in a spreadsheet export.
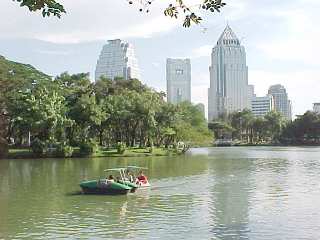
178	80
228	90
251	94
262	105
316	107
281	102
117	59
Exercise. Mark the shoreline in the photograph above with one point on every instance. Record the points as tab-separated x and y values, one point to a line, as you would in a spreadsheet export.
26	153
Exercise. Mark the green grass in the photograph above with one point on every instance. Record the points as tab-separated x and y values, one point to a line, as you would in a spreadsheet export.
132	152
20	153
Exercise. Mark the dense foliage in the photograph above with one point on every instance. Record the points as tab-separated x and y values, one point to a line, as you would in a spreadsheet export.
303	130
246	128
174	9
71	111
272	128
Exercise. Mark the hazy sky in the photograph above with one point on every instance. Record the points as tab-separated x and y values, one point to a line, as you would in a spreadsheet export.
282	40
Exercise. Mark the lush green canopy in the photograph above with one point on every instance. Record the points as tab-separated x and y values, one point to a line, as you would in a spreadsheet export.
70	109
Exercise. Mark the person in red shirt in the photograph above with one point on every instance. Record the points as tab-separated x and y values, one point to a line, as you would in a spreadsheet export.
142	178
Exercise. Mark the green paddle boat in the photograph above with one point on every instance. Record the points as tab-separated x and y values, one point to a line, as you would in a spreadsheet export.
104	186
110	185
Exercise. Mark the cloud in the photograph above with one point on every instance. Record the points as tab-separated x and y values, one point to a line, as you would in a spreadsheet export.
54	52
281	40
202	51
200	95
85	21
299	43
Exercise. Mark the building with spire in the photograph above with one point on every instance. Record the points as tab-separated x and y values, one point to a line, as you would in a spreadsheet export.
117	59
228	90
282	104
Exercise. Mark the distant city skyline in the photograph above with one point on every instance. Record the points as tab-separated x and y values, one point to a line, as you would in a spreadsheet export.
282	50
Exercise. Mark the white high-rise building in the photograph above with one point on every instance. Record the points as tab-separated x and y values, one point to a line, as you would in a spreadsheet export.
228	90
316	107
178	76
262	105
117	59
281	102
251	94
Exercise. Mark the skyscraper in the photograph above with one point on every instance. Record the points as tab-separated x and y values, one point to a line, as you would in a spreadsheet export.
281	102
228	90
260	106
316	107
117	59
178	80
251	94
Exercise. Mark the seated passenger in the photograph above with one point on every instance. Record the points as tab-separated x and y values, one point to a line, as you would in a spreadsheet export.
142	178
110	179
130	176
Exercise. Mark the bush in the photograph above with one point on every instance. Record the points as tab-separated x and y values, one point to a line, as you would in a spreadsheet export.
64	151
3	148
88	148
121	147
150	149
38	147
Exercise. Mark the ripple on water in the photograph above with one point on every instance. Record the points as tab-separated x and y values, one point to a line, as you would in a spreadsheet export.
234	193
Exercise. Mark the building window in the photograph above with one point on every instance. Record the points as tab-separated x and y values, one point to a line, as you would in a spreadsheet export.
179	71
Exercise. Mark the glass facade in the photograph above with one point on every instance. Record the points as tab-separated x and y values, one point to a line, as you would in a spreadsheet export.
117	59
281	102
262	105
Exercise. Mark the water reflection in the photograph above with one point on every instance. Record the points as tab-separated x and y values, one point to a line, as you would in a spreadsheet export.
231	193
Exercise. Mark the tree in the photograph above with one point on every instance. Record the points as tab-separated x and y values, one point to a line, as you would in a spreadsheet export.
87	114
41	112
240	121
274	125
303	130
174	9
221	129
47	7
258	130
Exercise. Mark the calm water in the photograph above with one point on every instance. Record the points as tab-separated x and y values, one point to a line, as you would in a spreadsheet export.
210	193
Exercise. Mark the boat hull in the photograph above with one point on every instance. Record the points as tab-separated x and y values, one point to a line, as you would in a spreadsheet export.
101	191
103	187
133	186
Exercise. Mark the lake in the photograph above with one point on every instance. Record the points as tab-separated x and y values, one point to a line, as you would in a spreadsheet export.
209	193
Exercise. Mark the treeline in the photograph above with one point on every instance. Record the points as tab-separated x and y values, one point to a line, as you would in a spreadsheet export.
71	111
272	128
305	130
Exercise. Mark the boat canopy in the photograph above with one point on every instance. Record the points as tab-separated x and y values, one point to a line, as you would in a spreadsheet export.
124	168
136	167
115	169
